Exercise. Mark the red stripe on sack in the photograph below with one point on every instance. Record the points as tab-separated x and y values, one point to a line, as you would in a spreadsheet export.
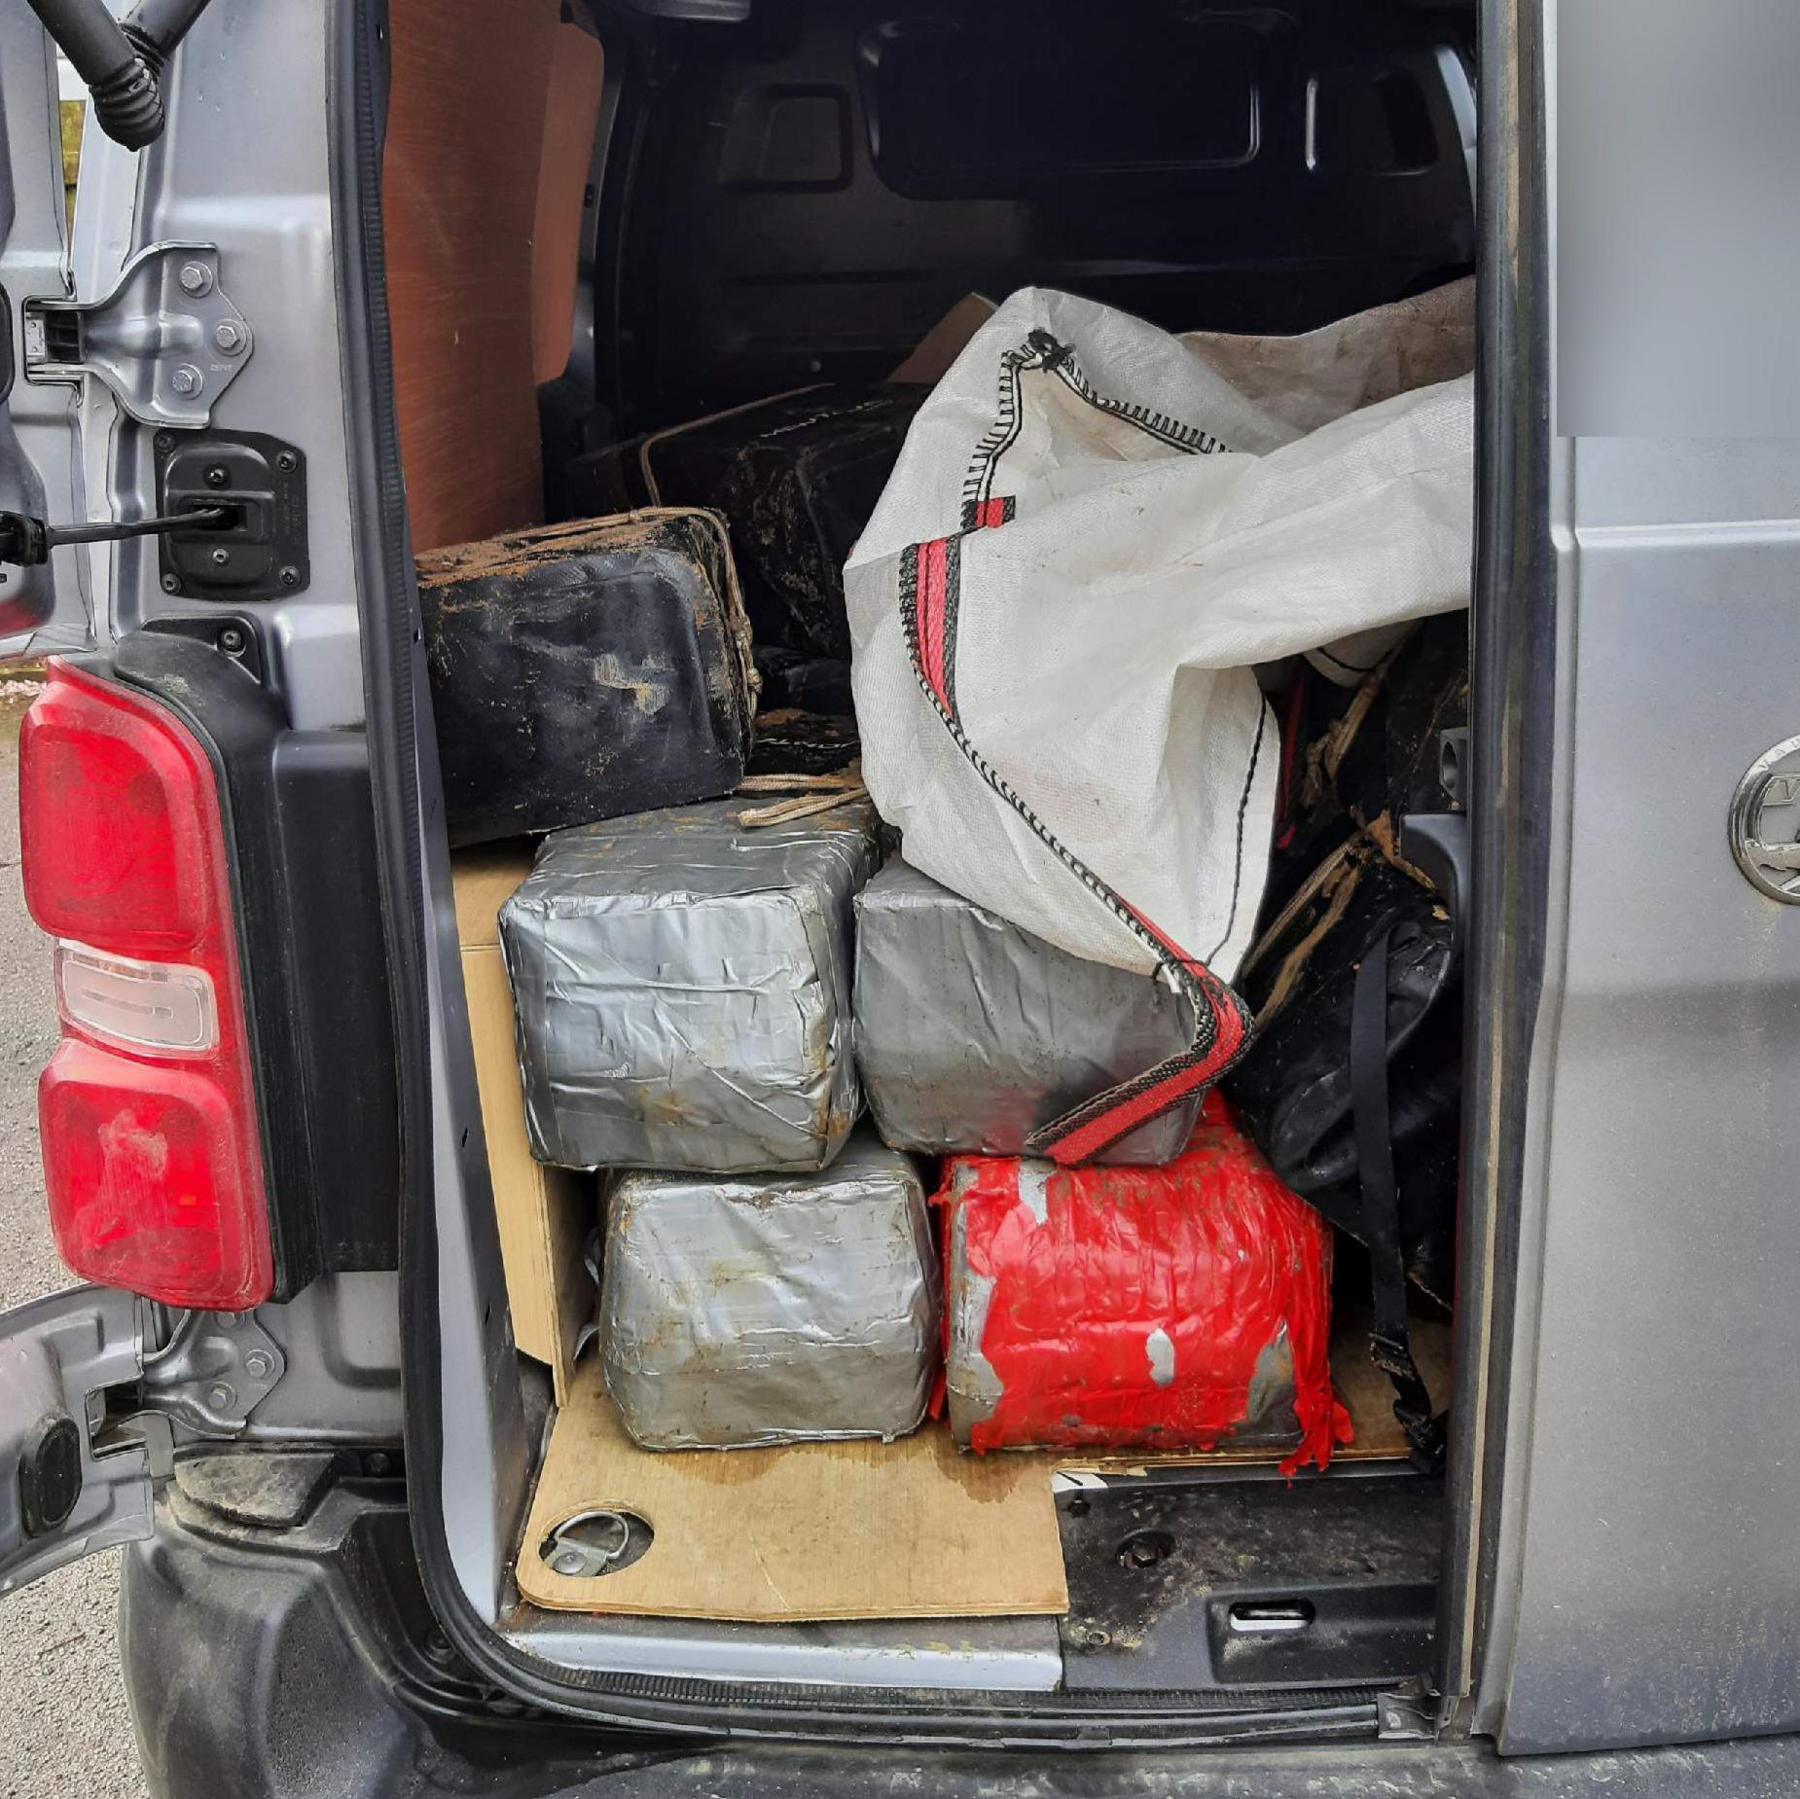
1167	944
1091	1136
933	587
1087	1140
990	514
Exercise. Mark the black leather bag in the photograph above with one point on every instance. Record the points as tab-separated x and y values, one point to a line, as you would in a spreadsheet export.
1352	1087
586	670
796	476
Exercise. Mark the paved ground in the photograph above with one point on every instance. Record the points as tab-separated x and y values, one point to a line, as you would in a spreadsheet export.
64	1729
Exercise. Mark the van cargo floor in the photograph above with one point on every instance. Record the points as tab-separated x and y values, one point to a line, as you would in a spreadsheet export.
1183	1584
912	1529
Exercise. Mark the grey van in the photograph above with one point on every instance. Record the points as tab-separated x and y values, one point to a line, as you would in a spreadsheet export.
243	392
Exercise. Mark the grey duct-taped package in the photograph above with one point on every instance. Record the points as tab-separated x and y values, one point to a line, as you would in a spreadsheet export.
972	1033
772	1309
682	989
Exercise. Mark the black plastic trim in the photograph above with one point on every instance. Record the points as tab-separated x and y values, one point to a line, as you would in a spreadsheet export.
328	1611
300	841
262	480
741	280
1511	758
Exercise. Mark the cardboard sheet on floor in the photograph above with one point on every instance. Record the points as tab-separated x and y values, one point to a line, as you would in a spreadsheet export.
814	1531
916	1530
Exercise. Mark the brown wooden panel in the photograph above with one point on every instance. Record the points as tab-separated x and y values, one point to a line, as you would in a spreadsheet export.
543	1213
571	120
471	84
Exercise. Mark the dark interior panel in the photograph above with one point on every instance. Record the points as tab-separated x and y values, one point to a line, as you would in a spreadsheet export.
800	197
970	108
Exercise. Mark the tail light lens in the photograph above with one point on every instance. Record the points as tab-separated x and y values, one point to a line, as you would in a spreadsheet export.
152	1150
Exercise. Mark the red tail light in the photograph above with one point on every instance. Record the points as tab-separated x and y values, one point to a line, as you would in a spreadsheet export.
152	1152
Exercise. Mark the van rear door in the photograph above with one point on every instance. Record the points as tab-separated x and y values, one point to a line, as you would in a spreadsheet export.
69	1485
45	607
65	1490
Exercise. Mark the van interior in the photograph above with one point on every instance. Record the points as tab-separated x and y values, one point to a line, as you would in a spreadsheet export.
610	217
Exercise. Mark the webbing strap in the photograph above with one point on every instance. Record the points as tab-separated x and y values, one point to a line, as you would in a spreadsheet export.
1389	1343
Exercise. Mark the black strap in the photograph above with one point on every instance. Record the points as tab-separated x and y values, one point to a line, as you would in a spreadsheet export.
1389	1343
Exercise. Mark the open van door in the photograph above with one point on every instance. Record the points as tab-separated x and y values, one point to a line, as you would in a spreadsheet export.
44	606
66	1490
63	1494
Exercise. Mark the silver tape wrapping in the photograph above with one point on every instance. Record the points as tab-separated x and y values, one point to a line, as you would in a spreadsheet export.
970	1033
771	1309
682	989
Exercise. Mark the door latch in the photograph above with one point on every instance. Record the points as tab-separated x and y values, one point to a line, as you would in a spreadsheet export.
259	551
167	341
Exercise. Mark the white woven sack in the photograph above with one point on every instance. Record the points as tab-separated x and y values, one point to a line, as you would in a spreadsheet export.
1094	531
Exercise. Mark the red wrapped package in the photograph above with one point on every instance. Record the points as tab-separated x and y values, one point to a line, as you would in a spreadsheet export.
1139	1308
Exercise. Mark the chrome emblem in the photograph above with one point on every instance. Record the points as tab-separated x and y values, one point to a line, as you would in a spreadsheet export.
1765	823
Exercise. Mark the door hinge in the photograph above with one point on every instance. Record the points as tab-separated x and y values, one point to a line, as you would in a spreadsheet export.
212	1373
167	341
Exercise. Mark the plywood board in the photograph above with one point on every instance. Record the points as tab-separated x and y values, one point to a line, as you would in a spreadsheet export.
814	1531
571	124
486	877
491	124
460	180
1369	1394
543	1213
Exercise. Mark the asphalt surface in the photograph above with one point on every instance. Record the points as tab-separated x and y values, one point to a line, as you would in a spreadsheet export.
65	1732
